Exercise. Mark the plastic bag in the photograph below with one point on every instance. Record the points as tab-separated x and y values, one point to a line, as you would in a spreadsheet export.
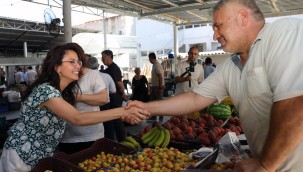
229	149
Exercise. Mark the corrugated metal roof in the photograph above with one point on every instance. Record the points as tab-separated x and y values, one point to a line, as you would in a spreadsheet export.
185	12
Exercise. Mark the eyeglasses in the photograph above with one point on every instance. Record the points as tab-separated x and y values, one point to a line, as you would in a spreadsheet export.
74	62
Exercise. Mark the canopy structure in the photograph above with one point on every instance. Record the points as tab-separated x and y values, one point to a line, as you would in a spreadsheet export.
185	12
175	12
14	33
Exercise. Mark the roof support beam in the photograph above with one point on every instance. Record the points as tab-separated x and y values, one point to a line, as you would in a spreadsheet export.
193	23
150	9
175	9
189	12
274	4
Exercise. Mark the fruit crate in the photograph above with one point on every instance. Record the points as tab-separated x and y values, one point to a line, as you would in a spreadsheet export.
184	145
101	145
55	165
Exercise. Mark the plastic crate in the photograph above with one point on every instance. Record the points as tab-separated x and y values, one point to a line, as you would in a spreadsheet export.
184	145
3	108
55	165
13	106
101	145
2	121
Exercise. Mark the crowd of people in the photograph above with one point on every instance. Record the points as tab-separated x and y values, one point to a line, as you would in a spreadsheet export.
26	75
262	78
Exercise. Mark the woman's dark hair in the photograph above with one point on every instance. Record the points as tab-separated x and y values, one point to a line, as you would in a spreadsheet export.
49	74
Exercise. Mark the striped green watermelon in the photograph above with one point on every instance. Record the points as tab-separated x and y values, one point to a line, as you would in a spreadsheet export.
219	111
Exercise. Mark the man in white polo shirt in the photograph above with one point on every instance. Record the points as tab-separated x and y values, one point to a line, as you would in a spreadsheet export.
264	80
31	75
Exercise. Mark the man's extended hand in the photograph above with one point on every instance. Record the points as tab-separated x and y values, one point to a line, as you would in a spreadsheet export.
135	103
134	115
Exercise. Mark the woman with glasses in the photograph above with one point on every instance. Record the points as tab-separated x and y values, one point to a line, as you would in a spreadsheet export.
46	106
94	94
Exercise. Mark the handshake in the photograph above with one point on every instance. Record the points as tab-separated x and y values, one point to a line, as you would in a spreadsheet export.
134	112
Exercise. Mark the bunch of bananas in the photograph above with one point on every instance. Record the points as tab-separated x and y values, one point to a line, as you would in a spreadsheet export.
156	137
131	142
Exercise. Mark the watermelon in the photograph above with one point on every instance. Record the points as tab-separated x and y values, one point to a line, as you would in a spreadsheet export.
219	111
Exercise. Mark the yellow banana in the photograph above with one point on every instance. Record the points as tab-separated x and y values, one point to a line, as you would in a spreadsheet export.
148	133
160	138
151	136
133	141
166	138
154	138
128	144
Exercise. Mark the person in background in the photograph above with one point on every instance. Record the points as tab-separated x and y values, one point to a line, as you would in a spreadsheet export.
102	69
109	131
269	100
31	75
46	106
24	76
186	79
2	76
117	98
208	68
140	87
126	82
94	94
18	76
157	81
38	70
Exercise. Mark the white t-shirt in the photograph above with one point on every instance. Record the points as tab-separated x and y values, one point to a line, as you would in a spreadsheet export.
109	83
31	75
273	72
18	77
90	83
156	70
196	77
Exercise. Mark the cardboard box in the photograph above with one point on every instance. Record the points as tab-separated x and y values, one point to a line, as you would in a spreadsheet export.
55	165
101	145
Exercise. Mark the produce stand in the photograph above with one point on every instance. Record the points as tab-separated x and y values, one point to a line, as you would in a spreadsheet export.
55	165
101	145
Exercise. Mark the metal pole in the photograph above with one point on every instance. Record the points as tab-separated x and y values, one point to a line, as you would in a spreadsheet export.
25	49
104	30
176	47
67	21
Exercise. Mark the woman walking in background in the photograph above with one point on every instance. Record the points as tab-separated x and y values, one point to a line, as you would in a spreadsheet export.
140	87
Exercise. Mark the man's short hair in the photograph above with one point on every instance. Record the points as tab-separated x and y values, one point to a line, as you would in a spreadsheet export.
92	63
152	55
108	53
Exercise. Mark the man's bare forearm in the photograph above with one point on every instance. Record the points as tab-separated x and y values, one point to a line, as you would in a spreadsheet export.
286	128
179	105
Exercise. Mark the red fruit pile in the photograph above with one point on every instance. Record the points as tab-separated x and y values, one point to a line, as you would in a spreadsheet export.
205	129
